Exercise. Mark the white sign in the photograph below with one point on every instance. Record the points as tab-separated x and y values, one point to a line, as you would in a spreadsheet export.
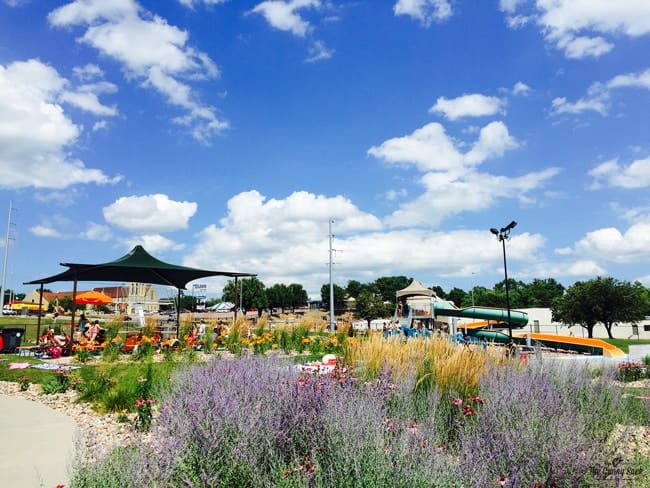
140	312
637	353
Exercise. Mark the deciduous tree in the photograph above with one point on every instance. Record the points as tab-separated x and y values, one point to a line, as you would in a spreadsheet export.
601	300
370	306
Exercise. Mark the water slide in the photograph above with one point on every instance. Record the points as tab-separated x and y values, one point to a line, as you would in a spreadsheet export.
579	344
517	319
596	347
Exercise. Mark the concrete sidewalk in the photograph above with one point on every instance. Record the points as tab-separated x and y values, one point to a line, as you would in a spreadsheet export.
37	444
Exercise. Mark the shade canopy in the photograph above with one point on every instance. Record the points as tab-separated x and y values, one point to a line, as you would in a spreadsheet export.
136	266
92	298
415	289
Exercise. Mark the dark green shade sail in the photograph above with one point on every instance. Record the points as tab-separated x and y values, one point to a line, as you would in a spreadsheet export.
136	266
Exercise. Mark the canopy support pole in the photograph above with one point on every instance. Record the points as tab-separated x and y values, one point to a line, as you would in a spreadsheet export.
40	309
236	302
178	313
74	307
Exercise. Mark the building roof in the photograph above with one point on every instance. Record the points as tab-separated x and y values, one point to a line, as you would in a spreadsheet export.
415	289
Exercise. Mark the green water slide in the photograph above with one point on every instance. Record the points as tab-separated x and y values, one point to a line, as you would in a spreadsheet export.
518	319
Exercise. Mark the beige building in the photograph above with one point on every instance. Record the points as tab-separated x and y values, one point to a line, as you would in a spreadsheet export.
126	299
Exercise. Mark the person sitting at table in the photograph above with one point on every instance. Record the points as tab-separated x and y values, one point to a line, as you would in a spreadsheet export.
64	341
83	325
93	331
47	338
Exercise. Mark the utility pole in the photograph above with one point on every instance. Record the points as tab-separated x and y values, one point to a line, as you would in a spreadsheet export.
4	265
332	318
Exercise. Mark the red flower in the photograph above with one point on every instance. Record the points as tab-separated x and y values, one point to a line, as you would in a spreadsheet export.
457	401
285	474
467	410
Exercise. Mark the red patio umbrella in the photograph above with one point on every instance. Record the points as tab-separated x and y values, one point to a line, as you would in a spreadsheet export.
92	298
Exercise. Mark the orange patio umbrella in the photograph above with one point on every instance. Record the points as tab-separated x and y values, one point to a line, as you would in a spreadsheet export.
92	298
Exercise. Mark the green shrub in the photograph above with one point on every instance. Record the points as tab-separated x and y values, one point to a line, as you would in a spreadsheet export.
144	351
83	355
111	351
58	383
93	385
630	371
207	343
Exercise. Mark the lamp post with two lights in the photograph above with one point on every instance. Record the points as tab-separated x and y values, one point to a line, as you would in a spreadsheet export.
503	235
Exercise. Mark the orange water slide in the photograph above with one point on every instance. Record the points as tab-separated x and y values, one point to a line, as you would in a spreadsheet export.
576	343
480	324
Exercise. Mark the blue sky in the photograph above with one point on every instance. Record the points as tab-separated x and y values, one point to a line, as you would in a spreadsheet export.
225	134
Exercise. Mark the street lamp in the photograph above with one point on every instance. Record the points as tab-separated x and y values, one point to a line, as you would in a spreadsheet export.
503	235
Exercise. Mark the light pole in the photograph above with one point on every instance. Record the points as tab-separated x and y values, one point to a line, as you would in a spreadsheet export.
473	288
503	235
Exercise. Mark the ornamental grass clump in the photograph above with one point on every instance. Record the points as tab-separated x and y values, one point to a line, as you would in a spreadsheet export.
435	363
539	427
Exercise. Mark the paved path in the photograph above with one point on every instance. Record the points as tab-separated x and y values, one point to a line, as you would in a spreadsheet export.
36	444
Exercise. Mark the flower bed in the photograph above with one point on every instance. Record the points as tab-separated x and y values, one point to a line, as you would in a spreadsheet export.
258	421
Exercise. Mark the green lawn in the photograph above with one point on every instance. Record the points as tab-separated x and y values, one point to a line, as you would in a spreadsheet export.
623	344
29	324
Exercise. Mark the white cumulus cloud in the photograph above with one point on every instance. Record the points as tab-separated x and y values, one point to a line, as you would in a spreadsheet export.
610	244
430	148
451	182
36	134
468	105
584	28
45	231
149	214
153	243
424	11
521	88
192	3
612	173
97	232
284	14
596	100
151	51
286	241
634	80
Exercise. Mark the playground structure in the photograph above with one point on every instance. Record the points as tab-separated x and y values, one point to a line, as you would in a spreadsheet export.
419	307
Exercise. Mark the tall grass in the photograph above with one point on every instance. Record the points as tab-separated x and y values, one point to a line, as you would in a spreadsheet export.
434	363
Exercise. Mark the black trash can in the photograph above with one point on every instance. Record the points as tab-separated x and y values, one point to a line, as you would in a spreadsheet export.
11	339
